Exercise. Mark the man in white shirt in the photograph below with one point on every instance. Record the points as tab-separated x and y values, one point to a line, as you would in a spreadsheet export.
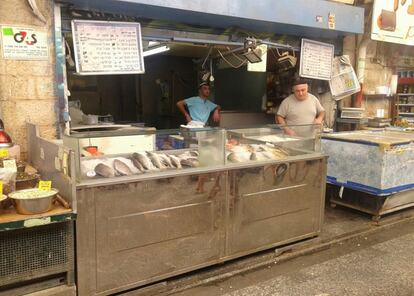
300	107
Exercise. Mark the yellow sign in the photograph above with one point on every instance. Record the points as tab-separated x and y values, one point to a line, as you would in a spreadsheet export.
45	185
4	153
1	187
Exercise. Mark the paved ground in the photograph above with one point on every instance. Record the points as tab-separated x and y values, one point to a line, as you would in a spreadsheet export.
380	264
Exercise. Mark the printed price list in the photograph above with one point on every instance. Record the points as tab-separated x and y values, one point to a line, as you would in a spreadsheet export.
108	48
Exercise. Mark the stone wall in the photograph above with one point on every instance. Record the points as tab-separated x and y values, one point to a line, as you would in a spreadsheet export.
27	88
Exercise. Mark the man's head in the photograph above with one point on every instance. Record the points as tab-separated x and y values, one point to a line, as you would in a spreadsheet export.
204	90
300	89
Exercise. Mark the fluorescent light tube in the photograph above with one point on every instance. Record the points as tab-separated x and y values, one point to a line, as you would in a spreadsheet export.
156	50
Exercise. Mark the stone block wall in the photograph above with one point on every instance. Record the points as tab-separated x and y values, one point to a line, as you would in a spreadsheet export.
27	88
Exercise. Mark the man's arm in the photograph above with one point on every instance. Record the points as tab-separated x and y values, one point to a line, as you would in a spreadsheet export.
216	114
319	118
280	120
181	106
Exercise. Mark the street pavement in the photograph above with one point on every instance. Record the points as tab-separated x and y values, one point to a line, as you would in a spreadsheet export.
379	264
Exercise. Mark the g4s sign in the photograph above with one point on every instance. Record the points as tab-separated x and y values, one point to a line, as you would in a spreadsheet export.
24	37
22	43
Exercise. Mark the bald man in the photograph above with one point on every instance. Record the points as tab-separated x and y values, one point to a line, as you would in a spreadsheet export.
300	107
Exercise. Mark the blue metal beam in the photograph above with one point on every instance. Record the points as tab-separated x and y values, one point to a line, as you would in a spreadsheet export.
292	17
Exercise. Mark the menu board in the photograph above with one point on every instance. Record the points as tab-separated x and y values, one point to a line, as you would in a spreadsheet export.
103	47
316	60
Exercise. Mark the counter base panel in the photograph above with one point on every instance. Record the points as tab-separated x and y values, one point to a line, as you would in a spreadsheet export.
134	234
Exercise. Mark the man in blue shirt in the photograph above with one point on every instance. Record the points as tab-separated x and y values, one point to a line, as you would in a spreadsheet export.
199	108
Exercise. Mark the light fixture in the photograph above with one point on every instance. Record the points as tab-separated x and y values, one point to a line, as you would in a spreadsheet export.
251	52
153	43
156	50
253	55
286	61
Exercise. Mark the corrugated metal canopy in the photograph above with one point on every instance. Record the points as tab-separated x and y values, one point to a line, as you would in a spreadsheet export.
291	17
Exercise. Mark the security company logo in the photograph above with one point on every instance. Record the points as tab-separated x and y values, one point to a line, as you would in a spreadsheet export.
24	43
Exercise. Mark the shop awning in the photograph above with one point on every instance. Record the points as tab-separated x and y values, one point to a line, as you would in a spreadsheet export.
291	17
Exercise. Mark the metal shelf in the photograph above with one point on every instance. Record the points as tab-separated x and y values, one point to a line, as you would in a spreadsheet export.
406	105
403	113
402	94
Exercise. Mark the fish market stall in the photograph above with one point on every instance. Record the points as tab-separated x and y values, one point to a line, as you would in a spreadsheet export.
376	168
156	212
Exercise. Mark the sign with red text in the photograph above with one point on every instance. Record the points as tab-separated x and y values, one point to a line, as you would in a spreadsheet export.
22	43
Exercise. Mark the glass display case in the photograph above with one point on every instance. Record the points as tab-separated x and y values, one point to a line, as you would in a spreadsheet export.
272	142
136	152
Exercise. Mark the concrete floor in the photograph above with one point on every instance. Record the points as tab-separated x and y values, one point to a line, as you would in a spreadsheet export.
378	264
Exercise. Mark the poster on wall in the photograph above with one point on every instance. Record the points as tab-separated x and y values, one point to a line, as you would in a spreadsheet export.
316	60
393	21
103	47
22	43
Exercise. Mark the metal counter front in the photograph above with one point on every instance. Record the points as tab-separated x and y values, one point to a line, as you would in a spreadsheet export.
137	229
135	232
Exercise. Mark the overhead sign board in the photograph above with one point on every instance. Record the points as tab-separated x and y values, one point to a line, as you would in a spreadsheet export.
24	43
103	47
393	21
316	60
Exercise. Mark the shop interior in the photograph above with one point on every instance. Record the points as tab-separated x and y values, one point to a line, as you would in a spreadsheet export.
174	75
174	67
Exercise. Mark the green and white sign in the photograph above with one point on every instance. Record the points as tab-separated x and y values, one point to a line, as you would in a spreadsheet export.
22	43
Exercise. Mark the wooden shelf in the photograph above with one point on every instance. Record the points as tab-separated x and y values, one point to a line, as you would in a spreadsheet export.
11	220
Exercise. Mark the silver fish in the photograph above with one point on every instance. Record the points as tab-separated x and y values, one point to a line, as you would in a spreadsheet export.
137	164
263	155
189	162
194	153
165	160
175	161
121	168
104	170
239	156
156	160
144	160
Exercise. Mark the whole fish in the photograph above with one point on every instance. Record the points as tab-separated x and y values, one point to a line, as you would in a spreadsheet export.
144	161
260	156
175	161
121	168
137	164
194	153
189	162
165	160
156	160
239	156
104	170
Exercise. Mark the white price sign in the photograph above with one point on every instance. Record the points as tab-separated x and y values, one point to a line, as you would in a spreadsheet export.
22	43
316	59
107	47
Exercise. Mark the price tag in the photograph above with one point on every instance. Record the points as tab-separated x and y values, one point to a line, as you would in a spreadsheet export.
4	153
1	187
45	185
10	164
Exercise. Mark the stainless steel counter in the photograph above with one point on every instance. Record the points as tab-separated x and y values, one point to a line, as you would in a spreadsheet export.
135	230
134	233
